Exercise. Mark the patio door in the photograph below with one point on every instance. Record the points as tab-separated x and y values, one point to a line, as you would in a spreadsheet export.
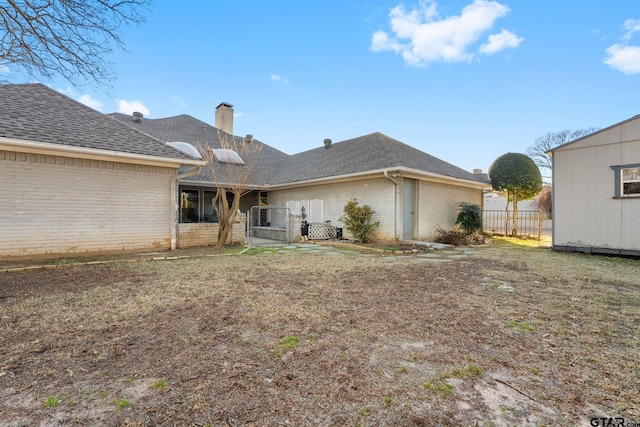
408	208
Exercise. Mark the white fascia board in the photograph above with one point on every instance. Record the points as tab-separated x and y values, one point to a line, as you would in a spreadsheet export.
400	171
211	184
378	173
48	149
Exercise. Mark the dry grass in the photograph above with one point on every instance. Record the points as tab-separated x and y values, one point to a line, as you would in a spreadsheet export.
509	336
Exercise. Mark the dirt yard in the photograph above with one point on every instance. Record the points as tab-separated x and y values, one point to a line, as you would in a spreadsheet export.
504	336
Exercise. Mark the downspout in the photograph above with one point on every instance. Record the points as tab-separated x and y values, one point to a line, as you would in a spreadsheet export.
395	202
174	203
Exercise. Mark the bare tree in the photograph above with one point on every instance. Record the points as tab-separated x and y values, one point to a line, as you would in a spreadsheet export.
542	145
70	38
231	167
544	201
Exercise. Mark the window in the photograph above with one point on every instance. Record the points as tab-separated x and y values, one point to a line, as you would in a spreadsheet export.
627	180
630	181
196	205
189	206
209	212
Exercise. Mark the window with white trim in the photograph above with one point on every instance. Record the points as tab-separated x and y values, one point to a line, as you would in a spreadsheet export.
627	180
630	181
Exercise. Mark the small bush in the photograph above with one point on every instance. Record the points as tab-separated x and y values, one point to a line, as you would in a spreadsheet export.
451	237
357	219
459	238
469	218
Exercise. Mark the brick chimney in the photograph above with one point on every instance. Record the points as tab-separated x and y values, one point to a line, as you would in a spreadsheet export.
224	117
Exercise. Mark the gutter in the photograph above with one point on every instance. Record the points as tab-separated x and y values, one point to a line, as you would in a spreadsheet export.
175	206
386	175
51	149
407	172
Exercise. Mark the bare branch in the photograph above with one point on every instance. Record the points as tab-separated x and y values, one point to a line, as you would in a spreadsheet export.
230	177
542	145
70	38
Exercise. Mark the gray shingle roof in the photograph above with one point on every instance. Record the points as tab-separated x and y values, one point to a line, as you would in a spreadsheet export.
375	151
37	113
371	152
185	128
34	112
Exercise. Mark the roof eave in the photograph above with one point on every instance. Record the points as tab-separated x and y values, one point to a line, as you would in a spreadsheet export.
212	184
403	171
44	148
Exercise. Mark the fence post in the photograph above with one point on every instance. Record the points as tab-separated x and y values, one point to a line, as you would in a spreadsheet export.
539	224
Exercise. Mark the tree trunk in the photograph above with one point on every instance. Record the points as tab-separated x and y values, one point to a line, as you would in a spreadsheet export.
514	230
226	216
506	216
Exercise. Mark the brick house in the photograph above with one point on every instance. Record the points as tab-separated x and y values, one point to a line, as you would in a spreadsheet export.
77	181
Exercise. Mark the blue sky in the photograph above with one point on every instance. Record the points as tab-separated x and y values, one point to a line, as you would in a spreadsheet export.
465	81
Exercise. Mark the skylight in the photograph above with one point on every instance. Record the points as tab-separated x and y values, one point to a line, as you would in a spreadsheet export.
224	155
186	148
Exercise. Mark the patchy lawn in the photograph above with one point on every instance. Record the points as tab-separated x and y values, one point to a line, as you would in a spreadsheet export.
507	336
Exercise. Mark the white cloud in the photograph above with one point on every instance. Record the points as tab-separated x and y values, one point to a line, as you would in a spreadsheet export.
127	107
68	90
87	100
501	41
279	79
420	36
632	26
624	58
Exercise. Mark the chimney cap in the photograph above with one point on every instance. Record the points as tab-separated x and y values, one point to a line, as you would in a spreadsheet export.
224	104
327	143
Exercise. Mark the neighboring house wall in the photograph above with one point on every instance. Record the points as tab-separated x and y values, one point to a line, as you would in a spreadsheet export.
438	206
61	205
378	193
586	212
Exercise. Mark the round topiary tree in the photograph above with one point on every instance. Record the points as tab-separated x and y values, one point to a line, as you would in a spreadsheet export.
518	176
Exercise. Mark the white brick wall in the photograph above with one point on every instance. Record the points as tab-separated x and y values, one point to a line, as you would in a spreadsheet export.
436	204
59	205
377	193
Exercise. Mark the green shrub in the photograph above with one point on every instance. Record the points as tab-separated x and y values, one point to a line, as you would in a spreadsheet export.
469	218
357	219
